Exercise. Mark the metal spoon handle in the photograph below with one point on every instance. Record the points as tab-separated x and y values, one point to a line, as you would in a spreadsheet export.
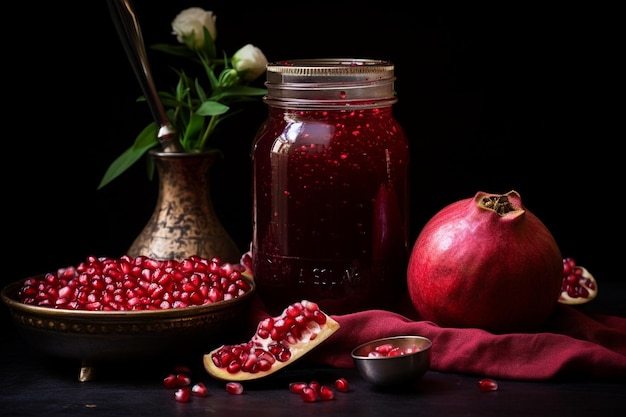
129	30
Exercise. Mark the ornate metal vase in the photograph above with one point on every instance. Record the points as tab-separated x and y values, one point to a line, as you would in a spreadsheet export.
184	222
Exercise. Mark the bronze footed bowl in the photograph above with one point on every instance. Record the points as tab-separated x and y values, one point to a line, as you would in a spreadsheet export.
93	337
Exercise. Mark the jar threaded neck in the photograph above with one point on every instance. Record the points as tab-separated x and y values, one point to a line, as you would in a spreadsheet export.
330	83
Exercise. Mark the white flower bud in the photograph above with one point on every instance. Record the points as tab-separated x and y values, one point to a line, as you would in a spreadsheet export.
188	24
250	62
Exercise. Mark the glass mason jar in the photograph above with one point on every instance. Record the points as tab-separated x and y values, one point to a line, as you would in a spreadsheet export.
330	187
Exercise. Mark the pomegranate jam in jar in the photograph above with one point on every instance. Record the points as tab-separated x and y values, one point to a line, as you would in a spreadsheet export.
330	187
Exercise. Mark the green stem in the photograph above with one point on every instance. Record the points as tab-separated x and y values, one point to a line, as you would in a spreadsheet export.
207	132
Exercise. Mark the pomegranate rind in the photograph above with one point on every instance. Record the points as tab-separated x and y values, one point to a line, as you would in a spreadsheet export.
565	298
246	261
321	333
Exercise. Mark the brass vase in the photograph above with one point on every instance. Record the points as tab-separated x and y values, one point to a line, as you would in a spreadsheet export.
184	222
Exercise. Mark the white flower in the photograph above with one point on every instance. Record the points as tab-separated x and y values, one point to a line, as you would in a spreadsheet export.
250	62
188	26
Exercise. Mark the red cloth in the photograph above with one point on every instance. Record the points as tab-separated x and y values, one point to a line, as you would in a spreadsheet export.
572	343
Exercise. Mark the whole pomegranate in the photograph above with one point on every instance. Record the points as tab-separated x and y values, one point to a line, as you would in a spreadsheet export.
485	262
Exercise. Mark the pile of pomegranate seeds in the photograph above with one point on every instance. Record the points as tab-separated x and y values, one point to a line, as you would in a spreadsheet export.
579	286
141	283
388	349
180	380
314	390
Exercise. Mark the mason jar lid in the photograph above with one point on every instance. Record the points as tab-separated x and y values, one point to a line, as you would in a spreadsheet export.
330	82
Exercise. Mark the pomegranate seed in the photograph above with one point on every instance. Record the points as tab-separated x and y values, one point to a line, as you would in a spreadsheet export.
199	390
233	367
315	385
234	388
384	349
170	381
486	385
308	394
342	385
297	387
326	393
182	394
182	380
411	349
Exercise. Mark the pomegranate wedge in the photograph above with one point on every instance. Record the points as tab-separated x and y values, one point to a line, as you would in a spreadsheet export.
278	342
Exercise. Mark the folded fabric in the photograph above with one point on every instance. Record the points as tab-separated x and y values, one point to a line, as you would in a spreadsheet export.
571	344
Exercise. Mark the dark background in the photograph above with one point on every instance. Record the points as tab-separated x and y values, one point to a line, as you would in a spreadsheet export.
492	99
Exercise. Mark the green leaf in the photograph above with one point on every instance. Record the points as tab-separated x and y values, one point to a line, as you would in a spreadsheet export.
171	101
176	50
209	45
210	74
211	108
146	140
200	91
193	130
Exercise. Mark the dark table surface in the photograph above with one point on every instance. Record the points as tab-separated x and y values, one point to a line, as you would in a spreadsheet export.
33	384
